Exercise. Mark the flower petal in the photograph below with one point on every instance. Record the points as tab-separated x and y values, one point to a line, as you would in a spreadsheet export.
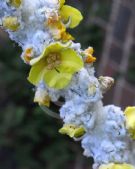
72	130
36	73
130	120
54	47
60	76
61	2
56	79
75	15
71	62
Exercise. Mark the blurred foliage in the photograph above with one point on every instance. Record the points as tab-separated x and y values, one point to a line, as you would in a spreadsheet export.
89	32
29	138
131	69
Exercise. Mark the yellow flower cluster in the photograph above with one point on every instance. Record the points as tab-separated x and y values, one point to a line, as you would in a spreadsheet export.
66	17
58	62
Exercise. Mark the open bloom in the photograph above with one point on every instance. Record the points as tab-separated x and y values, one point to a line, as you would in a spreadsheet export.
55	66
130	120
116	166
70	13
72	130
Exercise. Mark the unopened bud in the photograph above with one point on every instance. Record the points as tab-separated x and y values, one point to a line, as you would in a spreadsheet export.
42	97
72	130
89	55
105	83
28	54
89	51
92	89
11	23
14	3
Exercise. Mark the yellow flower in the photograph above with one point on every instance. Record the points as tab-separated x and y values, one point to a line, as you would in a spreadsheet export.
58	29
72	130
116	166
130	120
57	21
15	3
55	66
11	23
42	97
70	13
89	55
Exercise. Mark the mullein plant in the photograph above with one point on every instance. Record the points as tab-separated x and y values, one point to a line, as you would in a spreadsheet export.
61	69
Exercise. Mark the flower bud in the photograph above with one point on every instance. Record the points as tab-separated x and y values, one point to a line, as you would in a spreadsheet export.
89	55
15	3
92	89
105	83
42	97
28	54
116	166
11	23
72	130
130	120
89	51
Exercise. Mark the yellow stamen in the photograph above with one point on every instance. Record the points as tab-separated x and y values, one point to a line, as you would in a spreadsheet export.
58	62
53	60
